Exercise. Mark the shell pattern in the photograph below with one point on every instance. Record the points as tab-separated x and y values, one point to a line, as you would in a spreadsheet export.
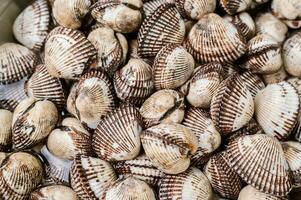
54	192
291	54
6	118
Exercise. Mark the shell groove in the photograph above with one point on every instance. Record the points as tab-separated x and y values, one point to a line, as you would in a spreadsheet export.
250	193
253	82
149	6
54	192
291	53
234	6
6	118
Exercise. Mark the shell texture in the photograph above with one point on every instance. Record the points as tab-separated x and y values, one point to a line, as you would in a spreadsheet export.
276	77
54	192
289	10
149	6
253	82
232	7
6	118
291	54
250	193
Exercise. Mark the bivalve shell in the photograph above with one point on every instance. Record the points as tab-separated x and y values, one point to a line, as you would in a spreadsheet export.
54	192
234	6
149	6
6	118
251	193
275	77
289	10
291	55
253	82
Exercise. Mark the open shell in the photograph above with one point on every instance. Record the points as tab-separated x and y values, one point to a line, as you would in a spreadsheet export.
234	6
253	82
291	55
251	193
6	118
54	192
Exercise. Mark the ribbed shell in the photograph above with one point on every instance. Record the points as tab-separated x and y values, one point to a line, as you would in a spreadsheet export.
192	185
253	82
31	27
163	106
232	105
149	6
90	177
276	109
234	6
169	146
6	118
129	189
212	39
254	158
16	62
251	193
229	69
67	53
164	26
275	77
54	192
291	53
209	139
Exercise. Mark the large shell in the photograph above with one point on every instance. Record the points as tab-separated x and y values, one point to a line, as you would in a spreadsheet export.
91	98
169	146
251	193
164	26
275	77
90	177
67	53
213	39
31	27
277	108
32	122
54	192
16	62
250	156
234	6
163	106
192	185
291	55
6	118
232	105
253	82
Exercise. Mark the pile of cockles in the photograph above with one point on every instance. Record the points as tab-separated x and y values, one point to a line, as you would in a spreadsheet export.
152	100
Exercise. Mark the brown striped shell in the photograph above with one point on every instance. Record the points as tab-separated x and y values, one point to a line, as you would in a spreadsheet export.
67	53
229	69
232	7
169	146
163	106
291	54
6	118
164	26
149	6
232	105
283	100
253	82
91	177
251	193
250	156
212	39
275	77
192	185
54	192
32	25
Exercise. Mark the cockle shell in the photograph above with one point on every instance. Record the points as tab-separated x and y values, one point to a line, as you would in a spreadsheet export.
253	82
283	99
54	192
169	146
250	156
164	26
229	69
172	67
291	55
67	53
128	189
275	77
289	10
232	105
149	6
192	185
251	193
212	39
234	6
90	177
31	27
6	118
163	106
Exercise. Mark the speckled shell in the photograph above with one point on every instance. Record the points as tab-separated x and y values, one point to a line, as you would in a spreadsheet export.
289	10
6	118
283	99
149	6
32	122
275	77
172	67
232	7
117	136
169	146
212	39
232	105
54	192
128	189
209	139
163	106
291	55
90	177
133	83
164	26
251	193
192	185
31	27
253	82
67	53
250	156
91	98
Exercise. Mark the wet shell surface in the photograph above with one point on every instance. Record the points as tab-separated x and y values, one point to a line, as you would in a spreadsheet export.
212	39
253	82
232	7
31	27
54	192
117	136
172	67
164	26
251	193
283	99
169	146
275	77
6	118
250	156
67	53
291	55
192	184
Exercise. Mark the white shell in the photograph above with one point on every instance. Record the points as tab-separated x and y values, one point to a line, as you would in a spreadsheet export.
291	55
275	77
251	193
234	6
54	192
6	118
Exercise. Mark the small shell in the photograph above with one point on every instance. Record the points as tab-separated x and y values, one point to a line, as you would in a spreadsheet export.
31	27
129	189
163	106
232	105
172	67
291	55
283	100
16	62
54	192
32	122
213	39
6	118
209	139
169	146
117	136
234	6
133	83
251	193
275	77
90	177
67	53
287	10
192	185
91	98
250	156
253	82
164	26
